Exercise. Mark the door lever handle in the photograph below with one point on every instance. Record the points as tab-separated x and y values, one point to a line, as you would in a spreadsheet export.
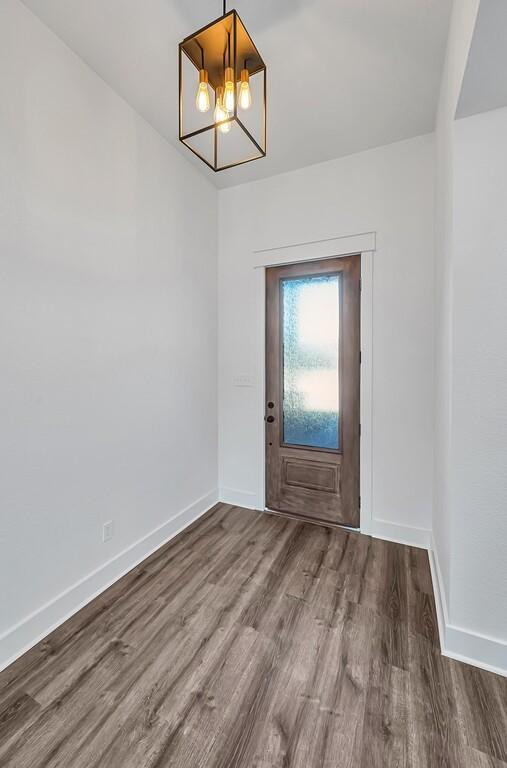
269	419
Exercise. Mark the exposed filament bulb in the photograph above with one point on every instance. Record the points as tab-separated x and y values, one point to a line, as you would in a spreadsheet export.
245	95
229	96
221	113
202	96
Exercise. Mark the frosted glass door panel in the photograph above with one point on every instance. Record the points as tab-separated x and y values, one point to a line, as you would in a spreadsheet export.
311	341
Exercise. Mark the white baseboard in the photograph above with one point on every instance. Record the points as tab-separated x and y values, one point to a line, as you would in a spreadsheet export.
35	627
238	498
460	643
401	534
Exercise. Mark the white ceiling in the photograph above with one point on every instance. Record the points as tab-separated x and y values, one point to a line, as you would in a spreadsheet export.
343	75
485	81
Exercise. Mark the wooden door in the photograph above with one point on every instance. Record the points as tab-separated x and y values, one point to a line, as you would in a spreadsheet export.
312	389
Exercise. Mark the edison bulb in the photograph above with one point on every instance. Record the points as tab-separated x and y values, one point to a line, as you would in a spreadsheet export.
245	95
202	97
229	89
220	111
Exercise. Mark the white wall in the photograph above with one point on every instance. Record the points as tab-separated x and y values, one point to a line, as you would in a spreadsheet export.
387	190
107	332
464	13
469	521
479	381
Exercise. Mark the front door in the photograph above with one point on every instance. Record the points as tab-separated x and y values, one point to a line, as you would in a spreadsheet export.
312	389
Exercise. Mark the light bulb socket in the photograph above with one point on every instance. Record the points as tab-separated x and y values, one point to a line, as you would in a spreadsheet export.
229	75
245	77
203	76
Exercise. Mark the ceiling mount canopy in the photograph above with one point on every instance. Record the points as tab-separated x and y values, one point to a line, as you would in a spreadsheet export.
222	94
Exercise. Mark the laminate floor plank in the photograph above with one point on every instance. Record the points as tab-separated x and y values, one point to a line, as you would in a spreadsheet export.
15	713
438	733
482	703
255	641
386	725
475	759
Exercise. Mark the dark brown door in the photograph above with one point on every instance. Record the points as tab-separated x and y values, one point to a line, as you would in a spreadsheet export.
312	389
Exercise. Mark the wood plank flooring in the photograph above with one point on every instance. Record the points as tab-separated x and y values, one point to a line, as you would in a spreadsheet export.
255	641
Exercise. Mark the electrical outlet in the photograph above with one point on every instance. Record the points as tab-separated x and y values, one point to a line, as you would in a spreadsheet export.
107	531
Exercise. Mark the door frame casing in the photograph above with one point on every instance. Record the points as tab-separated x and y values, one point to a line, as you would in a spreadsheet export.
364	244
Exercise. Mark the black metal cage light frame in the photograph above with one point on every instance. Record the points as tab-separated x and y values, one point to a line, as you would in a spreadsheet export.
220	50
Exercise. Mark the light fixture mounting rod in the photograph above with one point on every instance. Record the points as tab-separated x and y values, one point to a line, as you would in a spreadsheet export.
225	8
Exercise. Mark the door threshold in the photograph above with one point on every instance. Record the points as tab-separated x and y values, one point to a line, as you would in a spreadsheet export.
312	520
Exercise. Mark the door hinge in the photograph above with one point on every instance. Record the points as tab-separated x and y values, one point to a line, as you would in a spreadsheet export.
360	357
359	502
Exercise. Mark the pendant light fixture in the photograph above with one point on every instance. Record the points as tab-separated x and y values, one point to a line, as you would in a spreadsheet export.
220	66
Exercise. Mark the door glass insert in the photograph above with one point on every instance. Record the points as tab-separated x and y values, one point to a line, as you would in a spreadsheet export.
311	340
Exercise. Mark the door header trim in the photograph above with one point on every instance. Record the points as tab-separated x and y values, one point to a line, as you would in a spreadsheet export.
314	250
